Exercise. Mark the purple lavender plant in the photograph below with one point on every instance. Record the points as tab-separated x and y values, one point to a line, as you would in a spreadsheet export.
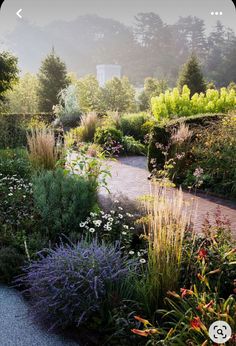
67	284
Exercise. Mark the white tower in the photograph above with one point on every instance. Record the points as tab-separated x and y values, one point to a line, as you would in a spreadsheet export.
107	72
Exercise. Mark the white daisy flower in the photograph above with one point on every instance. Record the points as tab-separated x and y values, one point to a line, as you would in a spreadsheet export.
131	252
92	230
142	260
97	223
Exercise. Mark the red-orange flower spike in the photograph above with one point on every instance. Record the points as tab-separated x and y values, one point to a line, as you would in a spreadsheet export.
202	254
142	320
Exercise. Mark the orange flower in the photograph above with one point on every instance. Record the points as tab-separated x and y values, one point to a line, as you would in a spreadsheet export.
186	292
196	324
145	332
145	322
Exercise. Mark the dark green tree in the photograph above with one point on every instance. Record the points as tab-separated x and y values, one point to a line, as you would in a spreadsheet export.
191	75
52	79
8	74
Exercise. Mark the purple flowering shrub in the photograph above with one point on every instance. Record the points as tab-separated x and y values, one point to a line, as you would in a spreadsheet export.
68	284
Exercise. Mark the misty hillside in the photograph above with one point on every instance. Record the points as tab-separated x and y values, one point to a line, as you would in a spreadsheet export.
150	48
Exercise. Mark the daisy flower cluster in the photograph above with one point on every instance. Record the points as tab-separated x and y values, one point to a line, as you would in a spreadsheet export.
116	225
16	200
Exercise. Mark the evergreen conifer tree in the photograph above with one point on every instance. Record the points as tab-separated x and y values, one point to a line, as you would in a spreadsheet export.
52	79
191	75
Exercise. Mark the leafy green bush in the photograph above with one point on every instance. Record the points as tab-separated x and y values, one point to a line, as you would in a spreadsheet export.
63	200
173	103
214	150
133	147
161	136
132	125
110	139
14	127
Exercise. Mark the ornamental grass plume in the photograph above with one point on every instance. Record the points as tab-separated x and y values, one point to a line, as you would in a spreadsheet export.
42	150
181	134
89	123
169	218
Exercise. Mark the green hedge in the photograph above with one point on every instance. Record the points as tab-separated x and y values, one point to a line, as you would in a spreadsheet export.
13	127
162	133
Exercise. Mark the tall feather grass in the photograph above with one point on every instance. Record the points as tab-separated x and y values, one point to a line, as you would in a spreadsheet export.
42	150
88	126
168	220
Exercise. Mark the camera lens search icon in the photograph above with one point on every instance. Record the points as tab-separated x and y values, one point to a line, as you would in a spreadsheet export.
220	332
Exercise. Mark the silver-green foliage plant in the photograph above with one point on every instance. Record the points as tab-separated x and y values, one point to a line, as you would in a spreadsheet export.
68	103
174	103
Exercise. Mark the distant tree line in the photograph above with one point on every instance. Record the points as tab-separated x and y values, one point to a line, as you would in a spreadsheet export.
150	48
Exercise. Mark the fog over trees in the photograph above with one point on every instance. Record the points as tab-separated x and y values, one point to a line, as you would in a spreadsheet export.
149	48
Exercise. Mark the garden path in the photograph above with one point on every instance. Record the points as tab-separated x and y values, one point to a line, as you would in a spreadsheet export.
130	178
16	329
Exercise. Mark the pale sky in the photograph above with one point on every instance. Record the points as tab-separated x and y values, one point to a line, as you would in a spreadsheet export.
42	12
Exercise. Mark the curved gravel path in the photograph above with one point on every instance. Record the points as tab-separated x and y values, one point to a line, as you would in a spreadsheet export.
130	177
16	329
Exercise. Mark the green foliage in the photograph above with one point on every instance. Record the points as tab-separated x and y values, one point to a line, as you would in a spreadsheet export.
90	167
156	157
152	87
14	127
132	125
133	147
10	261
52	79
214	151
174	103
110	139
8	74
14	162
89	94
23	98
118	95
211	150
192	76
63	200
